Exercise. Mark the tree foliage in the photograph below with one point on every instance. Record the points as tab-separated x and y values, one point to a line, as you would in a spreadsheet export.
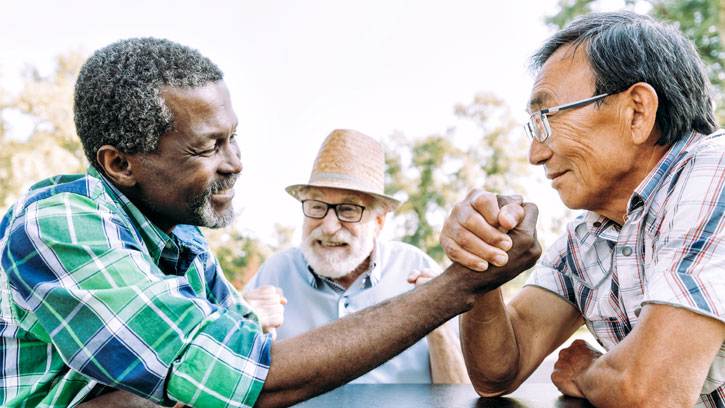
52	146
703	21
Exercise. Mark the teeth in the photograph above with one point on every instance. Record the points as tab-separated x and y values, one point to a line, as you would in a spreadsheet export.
332	244
221	191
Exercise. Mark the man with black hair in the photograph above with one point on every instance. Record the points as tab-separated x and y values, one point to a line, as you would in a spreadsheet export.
622	122
109	293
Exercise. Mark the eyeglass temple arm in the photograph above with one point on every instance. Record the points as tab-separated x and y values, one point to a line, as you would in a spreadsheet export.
575	104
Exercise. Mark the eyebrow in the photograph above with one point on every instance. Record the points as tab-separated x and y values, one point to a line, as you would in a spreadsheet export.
537	101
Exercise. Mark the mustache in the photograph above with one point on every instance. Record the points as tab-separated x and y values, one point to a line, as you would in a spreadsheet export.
222	184
339	237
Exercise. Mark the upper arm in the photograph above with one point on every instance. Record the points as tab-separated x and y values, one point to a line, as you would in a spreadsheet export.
542	321
669	352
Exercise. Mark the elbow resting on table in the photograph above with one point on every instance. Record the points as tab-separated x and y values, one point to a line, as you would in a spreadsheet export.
495	384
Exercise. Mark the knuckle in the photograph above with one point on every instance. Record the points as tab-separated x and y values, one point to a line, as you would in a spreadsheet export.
485	196
469	218
454	253
473	193
465	241
458	208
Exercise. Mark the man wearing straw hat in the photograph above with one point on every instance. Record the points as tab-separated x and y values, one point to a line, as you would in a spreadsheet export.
341	267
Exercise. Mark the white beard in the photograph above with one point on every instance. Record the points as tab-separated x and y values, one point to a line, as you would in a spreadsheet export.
337	265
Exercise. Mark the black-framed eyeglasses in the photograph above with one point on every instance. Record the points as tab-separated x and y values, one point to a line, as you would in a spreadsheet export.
538	125
345	212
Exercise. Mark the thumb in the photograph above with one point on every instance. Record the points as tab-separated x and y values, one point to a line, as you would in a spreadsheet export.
510	212
531	215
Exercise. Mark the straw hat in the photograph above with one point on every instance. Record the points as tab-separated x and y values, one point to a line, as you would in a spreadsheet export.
349	160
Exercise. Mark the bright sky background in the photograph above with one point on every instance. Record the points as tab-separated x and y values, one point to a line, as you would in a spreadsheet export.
299	69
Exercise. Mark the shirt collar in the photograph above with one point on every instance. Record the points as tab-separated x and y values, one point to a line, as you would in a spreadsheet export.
644	192
157	242
590	226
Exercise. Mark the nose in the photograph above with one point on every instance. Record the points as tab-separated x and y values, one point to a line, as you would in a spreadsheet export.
232	162
539	152
330	224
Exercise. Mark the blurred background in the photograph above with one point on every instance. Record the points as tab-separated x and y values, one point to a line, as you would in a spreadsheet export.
443	85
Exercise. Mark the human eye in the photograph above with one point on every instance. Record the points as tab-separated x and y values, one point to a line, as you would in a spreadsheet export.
208	152
348	210
318	206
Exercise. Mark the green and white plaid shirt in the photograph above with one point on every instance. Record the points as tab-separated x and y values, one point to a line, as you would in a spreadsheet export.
93	295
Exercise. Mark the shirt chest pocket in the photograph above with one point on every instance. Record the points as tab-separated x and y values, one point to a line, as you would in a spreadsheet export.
594	266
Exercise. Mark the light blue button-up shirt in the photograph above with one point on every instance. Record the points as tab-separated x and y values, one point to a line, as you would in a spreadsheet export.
313	301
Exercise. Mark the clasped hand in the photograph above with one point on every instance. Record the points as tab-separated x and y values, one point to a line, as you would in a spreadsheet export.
487	230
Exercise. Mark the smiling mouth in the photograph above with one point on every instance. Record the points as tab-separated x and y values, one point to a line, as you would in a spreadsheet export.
554	176
331	244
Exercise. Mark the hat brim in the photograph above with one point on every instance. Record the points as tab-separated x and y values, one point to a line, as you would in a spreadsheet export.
390	203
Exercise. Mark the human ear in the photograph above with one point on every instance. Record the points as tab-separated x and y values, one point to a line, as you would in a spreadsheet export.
380	221
643	103
116	166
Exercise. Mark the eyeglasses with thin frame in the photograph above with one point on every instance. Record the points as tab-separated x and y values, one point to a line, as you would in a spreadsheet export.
345	212
538	125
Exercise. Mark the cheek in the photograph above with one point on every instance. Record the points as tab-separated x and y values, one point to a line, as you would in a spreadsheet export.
355	230
577	146
308	225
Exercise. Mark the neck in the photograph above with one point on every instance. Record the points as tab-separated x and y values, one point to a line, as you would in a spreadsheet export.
347	280
644	164
133	195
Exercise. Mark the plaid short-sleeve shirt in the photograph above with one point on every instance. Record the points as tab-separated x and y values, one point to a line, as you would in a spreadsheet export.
670	250
94	297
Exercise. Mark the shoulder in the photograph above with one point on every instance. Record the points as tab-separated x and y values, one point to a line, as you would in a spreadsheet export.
703	151
697	174
59	187
57	199
280	265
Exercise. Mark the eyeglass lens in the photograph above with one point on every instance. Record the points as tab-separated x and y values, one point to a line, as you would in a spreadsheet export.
537	129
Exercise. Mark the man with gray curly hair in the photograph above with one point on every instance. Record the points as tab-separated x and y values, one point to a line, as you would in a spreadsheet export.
109	293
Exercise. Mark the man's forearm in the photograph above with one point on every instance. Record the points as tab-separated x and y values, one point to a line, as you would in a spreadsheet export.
611	372
334	354
663	362
489	345
446	359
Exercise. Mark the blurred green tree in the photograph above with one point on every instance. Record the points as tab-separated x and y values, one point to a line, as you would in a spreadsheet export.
51	147
703	21
240	252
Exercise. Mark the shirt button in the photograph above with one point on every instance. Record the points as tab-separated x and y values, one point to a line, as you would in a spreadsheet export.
626	251
597	224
